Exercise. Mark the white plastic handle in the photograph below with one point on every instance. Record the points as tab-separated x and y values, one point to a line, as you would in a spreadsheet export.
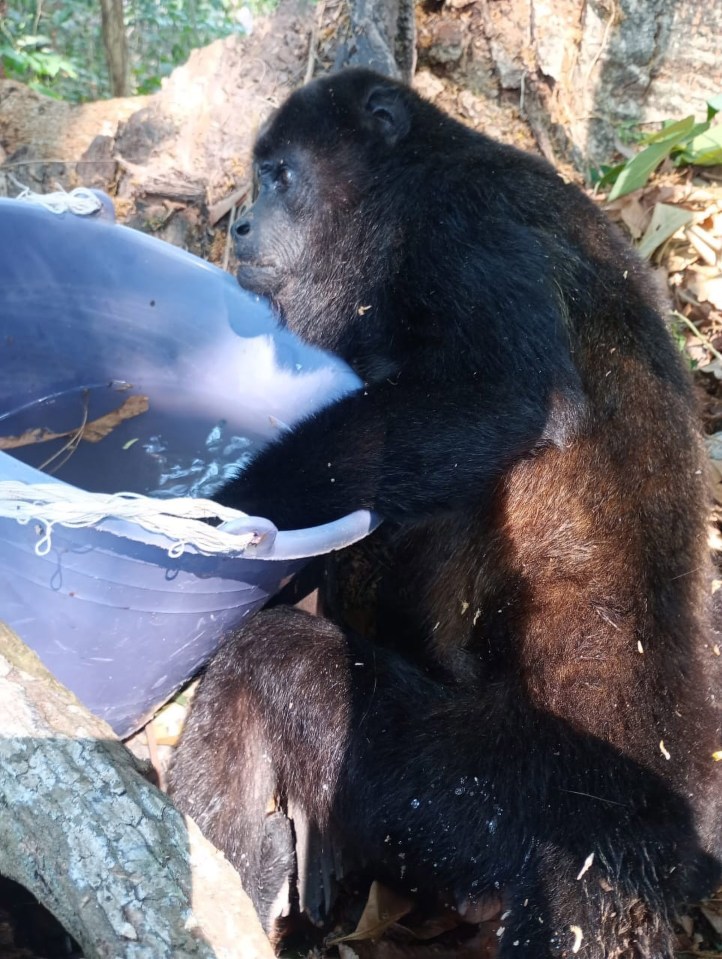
304	543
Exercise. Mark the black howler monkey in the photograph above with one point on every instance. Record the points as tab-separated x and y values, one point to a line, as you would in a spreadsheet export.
533	707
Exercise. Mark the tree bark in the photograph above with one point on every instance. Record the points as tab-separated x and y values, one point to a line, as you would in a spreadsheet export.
107	853
594	66
115	42
382	37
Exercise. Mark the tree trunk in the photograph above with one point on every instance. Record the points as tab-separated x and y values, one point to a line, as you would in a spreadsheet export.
115	42
108	854
382	37
587	68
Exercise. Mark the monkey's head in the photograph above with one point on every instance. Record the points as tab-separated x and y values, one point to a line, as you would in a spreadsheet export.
314	239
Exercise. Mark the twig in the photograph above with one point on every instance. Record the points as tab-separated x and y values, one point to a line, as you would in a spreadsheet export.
698	333
71	446
613	18
43	160
227	251
38	15
576	792
313	40
152	741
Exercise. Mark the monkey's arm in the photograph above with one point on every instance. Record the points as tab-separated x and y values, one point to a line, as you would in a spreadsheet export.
405	450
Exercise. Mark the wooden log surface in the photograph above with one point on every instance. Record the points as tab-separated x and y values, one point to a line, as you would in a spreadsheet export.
96	843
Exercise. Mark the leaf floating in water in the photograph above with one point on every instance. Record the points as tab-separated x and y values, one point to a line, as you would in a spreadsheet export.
29	437
96	430
93	431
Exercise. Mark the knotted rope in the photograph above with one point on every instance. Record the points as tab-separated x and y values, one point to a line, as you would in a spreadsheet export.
80	201
51	504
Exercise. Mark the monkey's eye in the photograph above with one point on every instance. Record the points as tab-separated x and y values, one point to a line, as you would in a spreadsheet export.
275	175
284	176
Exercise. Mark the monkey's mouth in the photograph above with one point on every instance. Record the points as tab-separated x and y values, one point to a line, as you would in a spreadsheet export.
254	262
258	276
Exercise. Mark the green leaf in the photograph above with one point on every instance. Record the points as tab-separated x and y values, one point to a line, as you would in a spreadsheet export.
638	170
696	130
36	41
14	60
711	158
714	106
605	175
666	220
705	149
674	132
49	66
44	89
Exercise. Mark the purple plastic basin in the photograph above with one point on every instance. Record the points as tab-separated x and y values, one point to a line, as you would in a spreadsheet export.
91	312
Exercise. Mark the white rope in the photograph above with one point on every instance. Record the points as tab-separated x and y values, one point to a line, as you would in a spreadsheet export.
80	200
57	503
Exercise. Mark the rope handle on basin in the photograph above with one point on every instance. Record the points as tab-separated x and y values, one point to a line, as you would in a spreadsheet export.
177	519
81	201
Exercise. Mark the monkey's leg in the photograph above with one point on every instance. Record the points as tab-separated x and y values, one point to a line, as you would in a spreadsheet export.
269	719
443	788
223	776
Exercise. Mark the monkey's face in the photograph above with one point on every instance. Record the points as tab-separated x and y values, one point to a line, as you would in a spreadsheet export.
316	161
270	236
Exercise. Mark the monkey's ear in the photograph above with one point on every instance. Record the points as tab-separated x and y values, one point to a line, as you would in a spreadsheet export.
389	113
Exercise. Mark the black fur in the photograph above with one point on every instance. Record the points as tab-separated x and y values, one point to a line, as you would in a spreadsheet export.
538	643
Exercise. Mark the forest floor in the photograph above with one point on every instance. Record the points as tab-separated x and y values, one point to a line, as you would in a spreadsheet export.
183	180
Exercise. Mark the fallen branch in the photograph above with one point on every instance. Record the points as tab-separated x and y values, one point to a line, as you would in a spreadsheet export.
107	853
